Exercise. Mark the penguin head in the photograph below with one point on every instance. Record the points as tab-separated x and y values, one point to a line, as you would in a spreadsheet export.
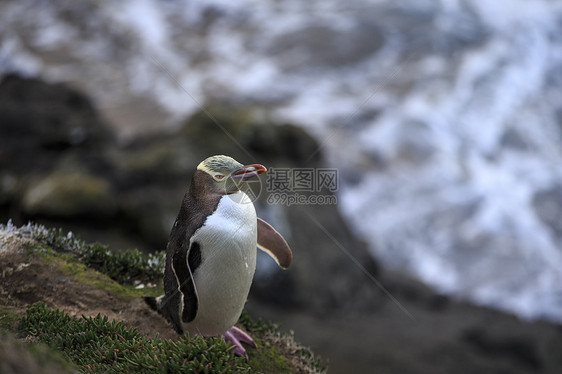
228	174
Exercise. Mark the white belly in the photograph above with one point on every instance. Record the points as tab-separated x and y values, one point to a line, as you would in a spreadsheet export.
228	242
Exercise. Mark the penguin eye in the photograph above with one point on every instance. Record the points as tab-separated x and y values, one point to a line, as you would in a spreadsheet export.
219	176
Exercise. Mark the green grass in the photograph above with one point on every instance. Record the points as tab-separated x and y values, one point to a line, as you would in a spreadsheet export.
269	360
84	274
98	345
259	325
8	319
124	267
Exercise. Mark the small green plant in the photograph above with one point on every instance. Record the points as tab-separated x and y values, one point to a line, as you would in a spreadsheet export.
125	267
98	345
259	325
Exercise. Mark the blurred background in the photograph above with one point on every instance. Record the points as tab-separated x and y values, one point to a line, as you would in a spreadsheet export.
443	118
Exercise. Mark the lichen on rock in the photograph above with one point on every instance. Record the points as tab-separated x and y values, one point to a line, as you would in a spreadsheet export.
70	194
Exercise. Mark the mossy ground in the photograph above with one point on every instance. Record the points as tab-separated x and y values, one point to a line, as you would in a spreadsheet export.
9	317
71	266
269	359
84	301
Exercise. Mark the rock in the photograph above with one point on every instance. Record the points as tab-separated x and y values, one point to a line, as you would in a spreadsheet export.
70	195
282	144
436	335
52	152
326	46
152	160
548	207
8	188
243	132
328	274
520	349
39	121
149	211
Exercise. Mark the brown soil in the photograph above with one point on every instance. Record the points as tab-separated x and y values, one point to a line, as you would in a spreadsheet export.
28	279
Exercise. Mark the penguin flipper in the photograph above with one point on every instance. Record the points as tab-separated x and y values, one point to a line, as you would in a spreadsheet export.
271	242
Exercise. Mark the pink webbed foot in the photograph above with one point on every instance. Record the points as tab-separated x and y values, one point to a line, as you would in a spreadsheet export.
236	336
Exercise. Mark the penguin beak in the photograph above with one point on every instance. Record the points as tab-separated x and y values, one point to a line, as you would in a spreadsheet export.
249	171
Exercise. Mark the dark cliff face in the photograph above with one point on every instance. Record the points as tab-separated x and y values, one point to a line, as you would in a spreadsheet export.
61	164
42	122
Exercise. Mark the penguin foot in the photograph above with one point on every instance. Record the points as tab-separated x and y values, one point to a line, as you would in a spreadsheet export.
236	337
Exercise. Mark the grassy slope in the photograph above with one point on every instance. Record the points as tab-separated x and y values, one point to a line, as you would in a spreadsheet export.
101	344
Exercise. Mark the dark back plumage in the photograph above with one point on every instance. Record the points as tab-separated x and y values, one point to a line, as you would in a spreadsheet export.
198	203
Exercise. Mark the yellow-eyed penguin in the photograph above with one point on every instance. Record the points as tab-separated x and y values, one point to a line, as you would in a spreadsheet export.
211	253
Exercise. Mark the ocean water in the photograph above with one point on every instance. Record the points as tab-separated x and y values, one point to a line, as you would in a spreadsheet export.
443	117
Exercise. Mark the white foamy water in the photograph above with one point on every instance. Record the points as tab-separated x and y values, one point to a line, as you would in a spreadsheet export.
444	117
